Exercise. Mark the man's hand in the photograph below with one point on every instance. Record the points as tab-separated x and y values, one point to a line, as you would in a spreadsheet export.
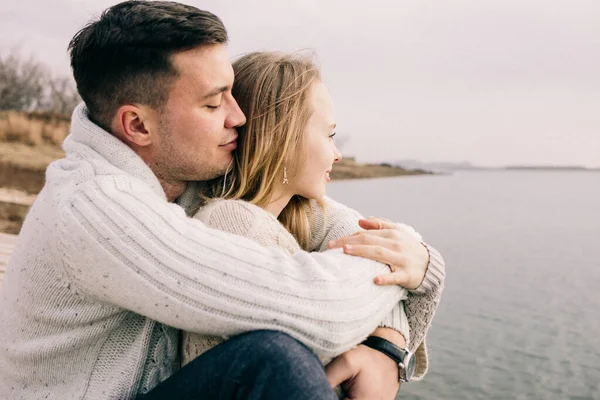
365	373
391	244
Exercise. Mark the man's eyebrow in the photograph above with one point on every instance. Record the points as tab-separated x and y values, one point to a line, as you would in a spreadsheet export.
216	92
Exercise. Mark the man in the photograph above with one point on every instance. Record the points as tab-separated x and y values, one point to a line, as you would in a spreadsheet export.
108	270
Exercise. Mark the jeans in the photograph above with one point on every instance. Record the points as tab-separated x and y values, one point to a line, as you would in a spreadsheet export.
265	365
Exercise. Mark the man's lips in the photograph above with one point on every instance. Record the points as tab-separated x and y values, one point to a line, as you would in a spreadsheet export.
231	141
231	145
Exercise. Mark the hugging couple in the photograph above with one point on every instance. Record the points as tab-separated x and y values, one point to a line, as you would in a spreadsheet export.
185	249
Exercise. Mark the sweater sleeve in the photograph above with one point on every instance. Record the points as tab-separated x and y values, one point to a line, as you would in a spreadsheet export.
334	221
245	219
121	244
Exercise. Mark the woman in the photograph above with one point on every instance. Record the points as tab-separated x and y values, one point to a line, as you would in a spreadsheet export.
279	173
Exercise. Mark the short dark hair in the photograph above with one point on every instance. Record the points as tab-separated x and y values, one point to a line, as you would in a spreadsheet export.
125	56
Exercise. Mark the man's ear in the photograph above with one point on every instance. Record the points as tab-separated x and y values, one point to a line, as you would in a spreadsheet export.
137	125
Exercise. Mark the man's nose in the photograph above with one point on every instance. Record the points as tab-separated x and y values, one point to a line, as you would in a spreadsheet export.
235	117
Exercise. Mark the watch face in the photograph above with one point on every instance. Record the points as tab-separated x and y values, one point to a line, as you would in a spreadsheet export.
410	366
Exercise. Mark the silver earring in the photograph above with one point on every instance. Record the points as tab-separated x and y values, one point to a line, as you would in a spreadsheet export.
285	179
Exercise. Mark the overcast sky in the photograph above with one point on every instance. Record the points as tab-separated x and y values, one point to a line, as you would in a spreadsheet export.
488	81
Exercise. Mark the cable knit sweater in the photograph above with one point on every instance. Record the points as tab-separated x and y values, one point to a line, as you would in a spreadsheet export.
106	272
245	219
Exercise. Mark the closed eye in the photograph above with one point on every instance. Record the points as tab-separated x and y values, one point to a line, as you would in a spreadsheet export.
332	135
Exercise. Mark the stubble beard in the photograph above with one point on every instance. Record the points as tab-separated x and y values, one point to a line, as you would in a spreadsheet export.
176	164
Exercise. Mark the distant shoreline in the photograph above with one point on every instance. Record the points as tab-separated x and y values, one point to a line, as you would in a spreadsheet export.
449	166
348	168
22	174
550	168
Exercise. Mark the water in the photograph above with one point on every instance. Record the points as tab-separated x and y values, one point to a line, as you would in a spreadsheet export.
520	316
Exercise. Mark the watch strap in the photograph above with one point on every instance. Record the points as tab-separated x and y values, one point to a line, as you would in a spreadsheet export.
386	347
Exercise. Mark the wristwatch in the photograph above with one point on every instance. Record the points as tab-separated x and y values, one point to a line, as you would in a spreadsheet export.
403	357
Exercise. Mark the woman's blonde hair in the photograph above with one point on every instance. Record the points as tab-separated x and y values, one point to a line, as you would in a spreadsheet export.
273	90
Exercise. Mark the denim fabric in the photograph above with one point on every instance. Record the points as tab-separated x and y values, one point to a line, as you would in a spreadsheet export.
257	365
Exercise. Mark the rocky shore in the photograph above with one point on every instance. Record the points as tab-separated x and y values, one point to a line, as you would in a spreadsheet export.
348	168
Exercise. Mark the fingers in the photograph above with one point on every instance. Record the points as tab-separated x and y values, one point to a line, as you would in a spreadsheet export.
375	232
376	223
372	224
399	277
373	252
338	371
375	237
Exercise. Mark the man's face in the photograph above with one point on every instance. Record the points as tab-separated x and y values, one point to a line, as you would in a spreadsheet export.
196	132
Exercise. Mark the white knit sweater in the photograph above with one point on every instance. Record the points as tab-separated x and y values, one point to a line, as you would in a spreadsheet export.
245	219
106	272
248	220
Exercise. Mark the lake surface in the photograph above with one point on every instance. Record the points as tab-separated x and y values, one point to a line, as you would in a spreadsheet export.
520	315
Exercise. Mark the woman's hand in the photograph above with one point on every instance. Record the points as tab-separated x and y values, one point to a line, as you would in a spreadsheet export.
396	245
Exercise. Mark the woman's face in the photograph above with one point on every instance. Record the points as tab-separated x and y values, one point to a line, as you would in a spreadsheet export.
320	149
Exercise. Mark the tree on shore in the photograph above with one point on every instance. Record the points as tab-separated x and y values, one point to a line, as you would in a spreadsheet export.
27	85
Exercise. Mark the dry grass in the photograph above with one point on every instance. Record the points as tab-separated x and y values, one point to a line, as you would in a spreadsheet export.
14	206
12	217
33	129
28	143
23	167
